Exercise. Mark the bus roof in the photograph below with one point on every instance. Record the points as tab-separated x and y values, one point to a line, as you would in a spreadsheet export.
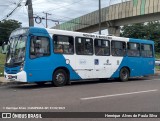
80	34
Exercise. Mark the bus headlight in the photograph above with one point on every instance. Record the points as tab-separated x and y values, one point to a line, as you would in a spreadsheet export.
21	69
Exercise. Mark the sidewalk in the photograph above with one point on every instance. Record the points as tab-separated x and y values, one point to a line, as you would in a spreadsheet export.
3	81
157	73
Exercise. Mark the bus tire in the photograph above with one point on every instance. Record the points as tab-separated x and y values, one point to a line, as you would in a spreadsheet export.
60	78
124	74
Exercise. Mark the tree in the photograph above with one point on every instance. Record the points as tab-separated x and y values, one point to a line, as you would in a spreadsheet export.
6	27
150	31
133	31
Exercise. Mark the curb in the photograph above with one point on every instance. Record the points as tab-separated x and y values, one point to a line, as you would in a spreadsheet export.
7	83
156	74
10	83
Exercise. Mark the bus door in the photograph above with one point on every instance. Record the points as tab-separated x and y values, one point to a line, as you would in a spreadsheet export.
134	58
119	60
64	49
147	59
84	57
39	62
102	60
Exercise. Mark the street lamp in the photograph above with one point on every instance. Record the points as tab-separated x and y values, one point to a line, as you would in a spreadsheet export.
99	16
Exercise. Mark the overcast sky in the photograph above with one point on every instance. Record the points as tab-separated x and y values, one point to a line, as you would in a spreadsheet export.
62	10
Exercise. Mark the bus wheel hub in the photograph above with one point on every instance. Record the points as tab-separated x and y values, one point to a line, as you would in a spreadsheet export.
60	78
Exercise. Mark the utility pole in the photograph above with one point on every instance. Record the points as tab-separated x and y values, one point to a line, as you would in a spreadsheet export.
46	18
30	12
99	16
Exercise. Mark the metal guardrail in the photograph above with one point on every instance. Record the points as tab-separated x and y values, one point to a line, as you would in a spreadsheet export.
157	62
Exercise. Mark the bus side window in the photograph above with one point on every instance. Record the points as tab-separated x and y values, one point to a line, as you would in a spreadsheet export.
84	46
146	50
63	44
118	48
102	47
133	49
39	47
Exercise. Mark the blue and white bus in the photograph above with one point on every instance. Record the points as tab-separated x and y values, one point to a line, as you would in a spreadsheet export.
39	55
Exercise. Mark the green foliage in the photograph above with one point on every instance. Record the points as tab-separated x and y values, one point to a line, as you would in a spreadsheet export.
2	61
150	31
157	68
6	27
157	55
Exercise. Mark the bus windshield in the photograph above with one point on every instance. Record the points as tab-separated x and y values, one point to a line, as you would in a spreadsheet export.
16	50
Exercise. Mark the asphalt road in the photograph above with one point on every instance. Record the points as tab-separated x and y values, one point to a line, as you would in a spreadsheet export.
136	95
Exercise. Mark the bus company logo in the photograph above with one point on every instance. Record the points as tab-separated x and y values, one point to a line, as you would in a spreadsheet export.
6	115
107	62
96	62
82	62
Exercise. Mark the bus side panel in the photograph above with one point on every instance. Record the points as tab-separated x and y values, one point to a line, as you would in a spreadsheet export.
84	66
141	66
138	66
134	64
117	64
71	65
147	66
102	67
41	69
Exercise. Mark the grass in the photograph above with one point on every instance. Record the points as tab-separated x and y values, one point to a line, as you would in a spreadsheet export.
158	68
2	61
157	55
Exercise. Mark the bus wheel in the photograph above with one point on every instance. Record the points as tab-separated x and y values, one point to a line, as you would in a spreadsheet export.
124	74
60	78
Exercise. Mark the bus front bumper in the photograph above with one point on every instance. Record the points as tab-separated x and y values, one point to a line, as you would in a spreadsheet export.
19	77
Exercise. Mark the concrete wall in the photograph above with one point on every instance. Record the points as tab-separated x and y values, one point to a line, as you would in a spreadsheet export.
133	11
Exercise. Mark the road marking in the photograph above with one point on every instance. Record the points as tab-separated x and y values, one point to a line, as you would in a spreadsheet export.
122	94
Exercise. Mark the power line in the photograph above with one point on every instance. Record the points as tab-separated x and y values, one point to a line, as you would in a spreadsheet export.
62	6
8	5
47	18
14	12
18	5
66	8
58	20
12	2
62	20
